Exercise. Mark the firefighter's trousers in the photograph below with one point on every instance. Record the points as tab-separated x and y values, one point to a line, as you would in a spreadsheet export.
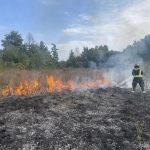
138	80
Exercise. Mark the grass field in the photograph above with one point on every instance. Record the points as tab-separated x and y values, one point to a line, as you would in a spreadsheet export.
14	79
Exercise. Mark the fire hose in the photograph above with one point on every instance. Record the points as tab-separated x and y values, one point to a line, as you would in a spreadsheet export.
123	82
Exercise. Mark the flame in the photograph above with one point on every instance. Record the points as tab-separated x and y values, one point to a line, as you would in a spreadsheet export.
50	84
26	88
57	85
7	91
53	84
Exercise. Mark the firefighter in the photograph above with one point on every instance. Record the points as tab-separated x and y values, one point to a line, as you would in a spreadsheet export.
138	78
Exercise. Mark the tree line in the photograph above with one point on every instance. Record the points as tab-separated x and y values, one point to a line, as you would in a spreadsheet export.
16	53
29	55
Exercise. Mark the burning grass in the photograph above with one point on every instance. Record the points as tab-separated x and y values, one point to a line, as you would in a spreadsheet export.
28	83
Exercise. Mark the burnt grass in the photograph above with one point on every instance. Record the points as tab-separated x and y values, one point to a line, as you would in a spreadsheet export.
101	119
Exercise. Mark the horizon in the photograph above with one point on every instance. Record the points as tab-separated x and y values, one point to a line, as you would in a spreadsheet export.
75	24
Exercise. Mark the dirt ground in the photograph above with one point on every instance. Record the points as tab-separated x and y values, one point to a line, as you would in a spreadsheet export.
101	119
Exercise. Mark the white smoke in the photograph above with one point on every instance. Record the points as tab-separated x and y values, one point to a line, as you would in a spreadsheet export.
121	65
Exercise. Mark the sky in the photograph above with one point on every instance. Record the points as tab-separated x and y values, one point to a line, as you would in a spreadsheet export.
74	24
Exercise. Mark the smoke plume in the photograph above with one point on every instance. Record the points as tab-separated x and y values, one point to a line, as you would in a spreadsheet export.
119	66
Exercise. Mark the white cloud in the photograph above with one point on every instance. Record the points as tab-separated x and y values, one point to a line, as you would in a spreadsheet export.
76	30
85	17
134	23
116	29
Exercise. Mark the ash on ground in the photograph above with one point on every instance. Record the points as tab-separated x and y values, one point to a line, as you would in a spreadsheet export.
102	119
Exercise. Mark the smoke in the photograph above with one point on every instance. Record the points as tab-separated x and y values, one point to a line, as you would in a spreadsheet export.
92	65
119	66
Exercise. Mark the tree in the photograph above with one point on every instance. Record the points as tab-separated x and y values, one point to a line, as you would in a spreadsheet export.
12	39
74	60
10	55
45	54
30	41
13	55
43	47
29	55
98	55
71	61
35	59
14	50
54	52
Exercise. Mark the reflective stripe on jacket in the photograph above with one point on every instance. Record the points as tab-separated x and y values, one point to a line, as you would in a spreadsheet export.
137	73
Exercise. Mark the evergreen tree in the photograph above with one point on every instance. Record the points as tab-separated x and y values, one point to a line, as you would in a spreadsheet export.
12	39
43	47
71	61
54	52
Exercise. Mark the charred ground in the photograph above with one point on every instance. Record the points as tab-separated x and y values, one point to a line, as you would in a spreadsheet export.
102	119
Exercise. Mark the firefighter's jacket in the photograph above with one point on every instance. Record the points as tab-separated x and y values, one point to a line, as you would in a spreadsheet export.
137	73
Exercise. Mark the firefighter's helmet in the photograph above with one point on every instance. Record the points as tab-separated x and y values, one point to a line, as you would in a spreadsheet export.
136	66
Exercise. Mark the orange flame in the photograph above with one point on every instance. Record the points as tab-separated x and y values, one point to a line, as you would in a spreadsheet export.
53	84
26	88
57	85
7	91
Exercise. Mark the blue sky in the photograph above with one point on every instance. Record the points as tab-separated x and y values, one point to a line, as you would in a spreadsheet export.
72	24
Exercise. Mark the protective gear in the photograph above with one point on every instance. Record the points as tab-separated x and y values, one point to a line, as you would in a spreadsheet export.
136	66
138	80
138	77
137	72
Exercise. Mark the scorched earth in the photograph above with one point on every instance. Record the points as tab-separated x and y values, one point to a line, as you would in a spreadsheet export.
101	119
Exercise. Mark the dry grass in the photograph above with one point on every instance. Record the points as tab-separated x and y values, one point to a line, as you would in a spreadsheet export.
77	75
